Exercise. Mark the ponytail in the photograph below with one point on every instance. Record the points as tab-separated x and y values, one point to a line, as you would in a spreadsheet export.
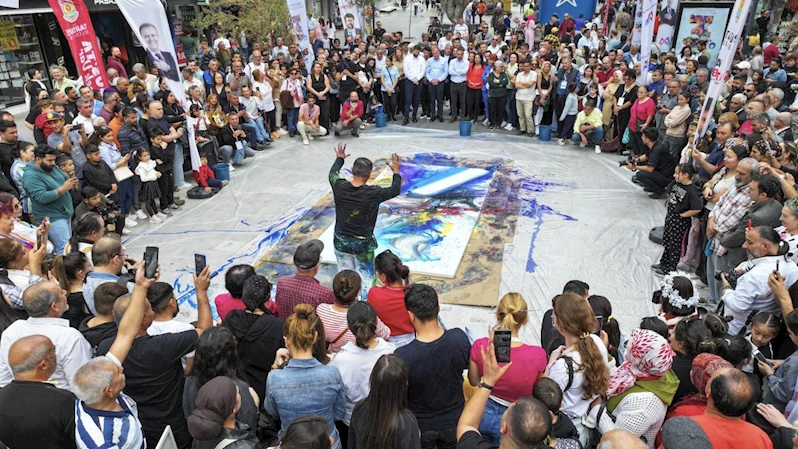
362	320
511	311
596	374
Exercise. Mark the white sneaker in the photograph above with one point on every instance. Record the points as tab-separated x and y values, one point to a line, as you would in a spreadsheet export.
232	169
310	137
485	122
130	222
126	231
155	219
305	141
582	145
183	186
141	215
561	142
161	215
509	127
504	123
598	149
363	126
282	132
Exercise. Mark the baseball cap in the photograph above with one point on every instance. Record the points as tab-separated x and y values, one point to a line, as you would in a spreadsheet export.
743	65
308	254
684	433
52	116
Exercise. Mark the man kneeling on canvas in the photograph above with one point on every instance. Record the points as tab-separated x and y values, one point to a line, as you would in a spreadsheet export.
356	207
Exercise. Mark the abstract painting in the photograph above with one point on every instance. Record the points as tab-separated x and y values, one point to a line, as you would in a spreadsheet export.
429	225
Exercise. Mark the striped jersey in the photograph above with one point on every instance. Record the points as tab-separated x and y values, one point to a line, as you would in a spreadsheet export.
100	429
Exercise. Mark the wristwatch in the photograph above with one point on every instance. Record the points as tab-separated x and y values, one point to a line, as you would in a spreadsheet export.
484	385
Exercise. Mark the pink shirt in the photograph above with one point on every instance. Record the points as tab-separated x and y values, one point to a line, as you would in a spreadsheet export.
335	324
529	362
641	111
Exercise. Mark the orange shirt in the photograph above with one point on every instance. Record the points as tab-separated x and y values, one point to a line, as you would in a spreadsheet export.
732	434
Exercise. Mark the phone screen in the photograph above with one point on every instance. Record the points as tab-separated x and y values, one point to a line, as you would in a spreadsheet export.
501	342
758	355
600	320
150	261
199	263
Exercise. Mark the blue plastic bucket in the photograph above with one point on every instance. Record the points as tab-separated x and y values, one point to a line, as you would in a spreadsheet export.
465	128
545	133
382	120
221	171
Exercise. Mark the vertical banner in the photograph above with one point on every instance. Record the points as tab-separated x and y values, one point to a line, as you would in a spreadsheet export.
649	11
147	19
74	19
350	17
638	27
299	23
667	20
720	72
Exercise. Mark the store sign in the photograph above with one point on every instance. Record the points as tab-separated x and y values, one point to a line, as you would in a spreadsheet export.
8	36
104	2
74	19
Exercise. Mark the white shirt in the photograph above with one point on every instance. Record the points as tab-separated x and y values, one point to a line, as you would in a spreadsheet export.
443	42
355	365
221	39
495	49
86	121
194	82
527	94
279	49
753	293
171	327
414	67
252	66
264	93
71	349
462	29
572	400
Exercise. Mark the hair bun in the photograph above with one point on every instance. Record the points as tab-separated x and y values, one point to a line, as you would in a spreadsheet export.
302	315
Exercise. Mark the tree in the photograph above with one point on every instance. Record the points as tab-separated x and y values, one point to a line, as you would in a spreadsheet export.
454	9
257	18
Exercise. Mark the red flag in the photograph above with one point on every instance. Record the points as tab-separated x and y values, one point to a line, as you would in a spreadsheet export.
75	23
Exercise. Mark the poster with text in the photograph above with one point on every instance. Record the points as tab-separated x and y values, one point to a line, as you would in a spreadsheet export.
701	24
350	17
73	17
299	24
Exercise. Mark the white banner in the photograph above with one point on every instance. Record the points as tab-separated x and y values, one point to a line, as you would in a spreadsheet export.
299	24
649	10
637	28
667	21
147	19
720	73
350	17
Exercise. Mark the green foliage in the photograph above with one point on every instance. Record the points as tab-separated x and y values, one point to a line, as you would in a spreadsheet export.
257	18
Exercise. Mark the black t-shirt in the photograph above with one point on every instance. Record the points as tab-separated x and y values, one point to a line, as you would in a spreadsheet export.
564	428
473	440
37	415
154	378
77	309
682	366
661	160
683	198
435	379
95	335
349	83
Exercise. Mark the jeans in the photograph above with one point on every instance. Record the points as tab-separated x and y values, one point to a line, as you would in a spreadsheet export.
260	130
595	136
125	195
491	422
214	183
293	117
436	100
715	264
458	102
243	152
363	264
412	97
510	111
252	132
225	151
60	233
177	165
441	439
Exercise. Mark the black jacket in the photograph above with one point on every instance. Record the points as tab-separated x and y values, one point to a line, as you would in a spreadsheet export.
7	157
94	335
244	439
259	337
7	186
226	136
99	175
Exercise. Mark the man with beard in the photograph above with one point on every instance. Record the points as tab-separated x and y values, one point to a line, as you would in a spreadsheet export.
48	190
766	250
165	307
724	218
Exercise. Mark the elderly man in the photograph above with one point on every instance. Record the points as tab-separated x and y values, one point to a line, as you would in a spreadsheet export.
736	105
85	116
45	302
436	73
257	63
150	80
782	126
752	109
110	99
47	419
108	258
303	287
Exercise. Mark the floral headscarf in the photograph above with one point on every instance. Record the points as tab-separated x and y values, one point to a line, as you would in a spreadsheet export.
649	355
704	366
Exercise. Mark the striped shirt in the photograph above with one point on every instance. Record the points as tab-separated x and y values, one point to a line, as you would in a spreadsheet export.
335	325
96	429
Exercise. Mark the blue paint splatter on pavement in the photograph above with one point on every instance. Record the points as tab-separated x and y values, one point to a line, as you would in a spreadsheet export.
528	191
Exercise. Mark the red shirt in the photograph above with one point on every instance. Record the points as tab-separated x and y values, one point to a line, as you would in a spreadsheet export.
295	290
604	76
225	303
203	175
732	434
389	303
345	115
770	52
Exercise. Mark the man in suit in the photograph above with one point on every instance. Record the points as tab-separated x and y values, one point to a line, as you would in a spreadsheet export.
349	27
164	61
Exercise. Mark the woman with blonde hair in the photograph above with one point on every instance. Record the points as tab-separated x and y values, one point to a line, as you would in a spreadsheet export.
581	367
529	362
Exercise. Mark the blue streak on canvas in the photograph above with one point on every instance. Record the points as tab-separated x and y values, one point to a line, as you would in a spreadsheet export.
533	209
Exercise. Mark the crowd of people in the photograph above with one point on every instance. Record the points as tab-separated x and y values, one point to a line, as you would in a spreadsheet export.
91	345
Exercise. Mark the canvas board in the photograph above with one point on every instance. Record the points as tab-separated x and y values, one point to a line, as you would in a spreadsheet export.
430	224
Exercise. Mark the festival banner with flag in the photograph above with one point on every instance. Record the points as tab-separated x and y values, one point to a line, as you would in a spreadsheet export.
73	17
649	10
586	8
147	19
667	21
299	23
720	73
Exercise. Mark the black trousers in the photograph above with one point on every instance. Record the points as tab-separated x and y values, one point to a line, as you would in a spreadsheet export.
496	109
324	113
474	102
458	95
166	183
436	99
334	108
412	97
389	103
655	181
424	97
559	104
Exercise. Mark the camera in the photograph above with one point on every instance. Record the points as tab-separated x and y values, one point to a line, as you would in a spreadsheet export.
731	276
629	160
794	87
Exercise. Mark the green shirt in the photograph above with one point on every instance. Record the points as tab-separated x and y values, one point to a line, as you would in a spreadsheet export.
497	84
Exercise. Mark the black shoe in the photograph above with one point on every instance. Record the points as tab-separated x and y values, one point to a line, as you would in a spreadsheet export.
415	120
656	195
355	134
440	119
337	134
660	271
656	266
453	119
405	122
291	134
521	133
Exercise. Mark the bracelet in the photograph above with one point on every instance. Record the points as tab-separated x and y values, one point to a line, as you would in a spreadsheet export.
484	385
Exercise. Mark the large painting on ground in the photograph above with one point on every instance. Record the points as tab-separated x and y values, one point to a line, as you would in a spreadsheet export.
429	225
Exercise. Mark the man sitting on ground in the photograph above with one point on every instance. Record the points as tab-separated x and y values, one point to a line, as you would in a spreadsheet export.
351	113
589	126
303	287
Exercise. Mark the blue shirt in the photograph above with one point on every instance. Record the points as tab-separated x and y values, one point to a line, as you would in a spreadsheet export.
110	154
94	280
778	75
458	70
389	75
437	69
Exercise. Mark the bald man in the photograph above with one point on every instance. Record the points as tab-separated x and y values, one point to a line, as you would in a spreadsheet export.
621	439
33	412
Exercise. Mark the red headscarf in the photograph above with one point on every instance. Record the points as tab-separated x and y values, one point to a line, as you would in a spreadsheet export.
704	366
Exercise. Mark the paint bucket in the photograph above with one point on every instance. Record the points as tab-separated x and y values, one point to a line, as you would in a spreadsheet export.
382	120
221	171
465	128
545	133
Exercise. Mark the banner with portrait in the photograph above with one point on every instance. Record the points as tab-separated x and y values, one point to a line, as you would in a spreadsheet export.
667	21
73	17
701	23
299	25
351	19
649	16
148	21
638	27
727	46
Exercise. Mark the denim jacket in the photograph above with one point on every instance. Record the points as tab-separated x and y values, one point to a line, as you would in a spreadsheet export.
306	387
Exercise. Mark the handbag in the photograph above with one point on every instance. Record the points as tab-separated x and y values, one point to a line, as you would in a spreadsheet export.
627	136
611	145
122	173
286	100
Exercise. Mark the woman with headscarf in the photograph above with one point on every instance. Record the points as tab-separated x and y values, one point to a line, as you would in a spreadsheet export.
640	390
213	421
704	366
